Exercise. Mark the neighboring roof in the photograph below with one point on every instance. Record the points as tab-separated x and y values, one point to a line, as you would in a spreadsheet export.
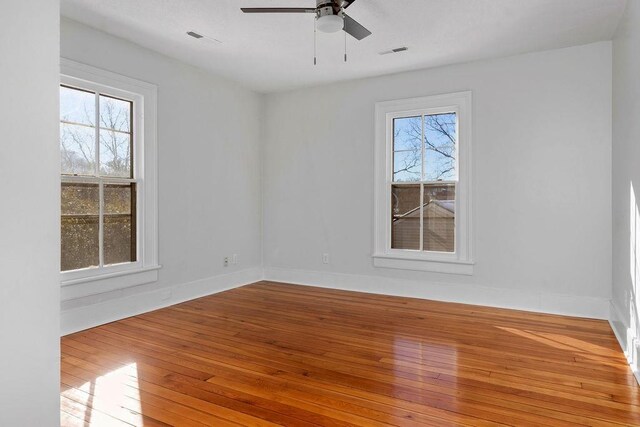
443	208
449	205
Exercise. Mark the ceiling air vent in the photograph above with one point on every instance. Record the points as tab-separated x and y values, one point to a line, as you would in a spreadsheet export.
195	35
199	36
396	50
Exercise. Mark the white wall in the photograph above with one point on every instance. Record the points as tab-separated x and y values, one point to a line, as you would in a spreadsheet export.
209	131
626	182
29	215
542	181
542	164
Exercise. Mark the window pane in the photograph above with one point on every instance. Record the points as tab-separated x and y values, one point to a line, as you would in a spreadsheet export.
407	152
115	114
77	149
115	154
406	133
440	137
119	223
439	217
405	217
77	106
79	226
407	166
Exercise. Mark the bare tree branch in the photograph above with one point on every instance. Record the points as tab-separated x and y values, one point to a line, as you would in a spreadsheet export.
439	139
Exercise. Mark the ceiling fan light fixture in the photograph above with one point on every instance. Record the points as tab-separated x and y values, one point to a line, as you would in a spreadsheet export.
330	23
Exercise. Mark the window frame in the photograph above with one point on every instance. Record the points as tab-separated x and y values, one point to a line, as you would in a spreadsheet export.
460	261
104	278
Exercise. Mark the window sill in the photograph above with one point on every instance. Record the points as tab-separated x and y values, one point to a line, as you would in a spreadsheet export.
404	262
101	283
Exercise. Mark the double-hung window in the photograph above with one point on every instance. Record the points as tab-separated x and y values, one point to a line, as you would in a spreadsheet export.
108	180
423	195
99	218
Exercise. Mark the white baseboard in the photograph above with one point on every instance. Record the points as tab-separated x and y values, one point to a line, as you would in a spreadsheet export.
568	305
89	316
629	343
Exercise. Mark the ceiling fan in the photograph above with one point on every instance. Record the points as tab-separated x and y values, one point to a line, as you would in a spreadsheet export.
330	16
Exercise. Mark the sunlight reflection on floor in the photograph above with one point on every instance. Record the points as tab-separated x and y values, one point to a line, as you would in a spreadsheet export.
564	342
115	393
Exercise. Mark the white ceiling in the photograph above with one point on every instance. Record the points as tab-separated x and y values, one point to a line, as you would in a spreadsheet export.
275	52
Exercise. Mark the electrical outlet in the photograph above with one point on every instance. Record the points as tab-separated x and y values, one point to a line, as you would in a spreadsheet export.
234	259
225	262
325	258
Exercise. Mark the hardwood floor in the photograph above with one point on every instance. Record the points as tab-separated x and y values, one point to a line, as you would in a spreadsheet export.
275	354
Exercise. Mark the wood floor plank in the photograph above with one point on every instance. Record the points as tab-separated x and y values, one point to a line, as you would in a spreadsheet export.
270	367
277	354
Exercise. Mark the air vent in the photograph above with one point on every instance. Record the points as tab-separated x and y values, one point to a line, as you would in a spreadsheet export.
199	36
195	35
396	50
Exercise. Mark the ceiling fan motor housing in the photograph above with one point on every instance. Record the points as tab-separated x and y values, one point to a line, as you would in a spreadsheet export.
329	16
325	11
329	7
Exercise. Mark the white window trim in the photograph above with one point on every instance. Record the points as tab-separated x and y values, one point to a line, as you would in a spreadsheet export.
460	261
80	283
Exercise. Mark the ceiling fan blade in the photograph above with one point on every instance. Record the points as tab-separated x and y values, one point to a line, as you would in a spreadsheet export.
352	27
277	10
347	3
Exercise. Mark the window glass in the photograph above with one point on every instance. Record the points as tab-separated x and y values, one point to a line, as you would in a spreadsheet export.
77	149
439	217
115	154
77	106
115	114
440	140
405	216
407	150
119	223
407	166
80	207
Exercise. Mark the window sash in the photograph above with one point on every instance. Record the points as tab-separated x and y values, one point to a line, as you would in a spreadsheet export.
422	185
101	182
391	151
